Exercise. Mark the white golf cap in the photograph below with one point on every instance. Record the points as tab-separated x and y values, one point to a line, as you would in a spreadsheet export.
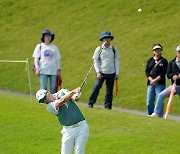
178	48
41	94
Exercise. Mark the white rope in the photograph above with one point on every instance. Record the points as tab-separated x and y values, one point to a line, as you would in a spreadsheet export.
13	61
27	67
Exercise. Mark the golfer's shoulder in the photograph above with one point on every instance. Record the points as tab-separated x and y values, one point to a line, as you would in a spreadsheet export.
62	92
51	107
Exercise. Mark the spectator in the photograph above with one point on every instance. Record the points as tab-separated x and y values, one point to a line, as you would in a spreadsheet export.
47	61
173	73
107	68
156	69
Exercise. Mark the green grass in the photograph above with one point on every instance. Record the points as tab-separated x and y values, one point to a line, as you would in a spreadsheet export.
29	128
78	25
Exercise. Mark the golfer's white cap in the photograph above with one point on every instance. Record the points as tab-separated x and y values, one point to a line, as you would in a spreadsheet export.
41	94
178	48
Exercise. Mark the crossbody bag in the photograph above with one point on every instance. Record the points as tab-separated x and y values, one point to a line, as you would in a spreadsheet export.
156	65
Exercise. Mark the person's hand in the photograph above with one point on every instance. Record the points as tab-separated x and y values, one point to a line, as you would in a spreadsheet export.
175	77
76	94
37	72
116	77
154	82
77	90
98	75
58	73
178	77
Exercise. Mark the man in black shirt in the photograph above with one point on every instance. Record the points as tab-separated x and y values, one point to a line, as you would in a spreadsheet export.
173	73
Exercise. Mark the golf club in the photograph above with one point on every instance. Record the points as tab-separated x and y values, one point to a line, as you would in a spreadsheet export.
85	79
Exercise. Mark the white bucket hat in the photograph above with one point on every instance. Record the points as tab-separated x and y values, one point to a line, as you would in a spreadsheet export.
41	95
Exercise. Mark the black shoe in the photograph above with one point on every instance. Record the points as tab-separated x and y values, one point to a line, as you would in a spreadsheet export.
108	108
90	105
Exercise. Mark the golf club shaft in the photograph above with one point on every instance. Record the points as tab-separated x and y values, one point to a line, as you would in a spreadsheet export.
84	81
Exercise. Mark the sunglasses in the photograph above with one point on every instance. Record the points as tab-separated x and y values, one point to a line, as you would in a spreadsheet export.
157	49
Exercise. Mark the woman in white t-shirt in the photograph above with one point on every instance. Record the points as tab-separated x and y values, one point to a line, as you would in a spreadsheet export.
47	61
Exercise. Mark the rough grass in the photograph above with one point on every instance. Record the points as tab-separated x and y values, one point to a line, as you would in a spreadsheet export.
78	25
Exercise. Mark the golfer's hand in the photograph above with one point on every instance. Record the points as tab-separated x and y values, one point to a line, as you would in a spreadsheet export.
77	94
99	75
77	90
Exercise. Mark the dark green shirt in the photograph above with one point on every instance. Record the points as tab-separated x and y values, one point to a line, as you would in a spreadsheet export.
68	113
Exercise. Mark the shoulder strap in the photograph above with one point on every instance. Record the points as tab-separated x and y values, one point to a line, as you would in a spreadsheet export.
114	51
156	65
40	50
40	46
99	54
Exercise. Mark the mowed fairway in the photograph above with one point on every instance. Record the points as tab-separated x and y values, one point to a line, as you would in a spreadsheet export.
30	128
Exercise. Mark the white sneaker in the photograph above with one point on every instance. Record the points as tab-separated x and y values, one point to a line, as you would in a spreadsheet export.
154	115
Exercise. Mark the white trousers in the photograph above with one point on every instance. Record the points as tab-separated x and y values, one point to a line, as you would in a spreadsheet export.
74	137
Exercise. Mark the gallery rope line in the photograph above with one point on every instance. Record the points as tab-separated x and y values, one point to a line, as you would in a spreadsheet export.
27	69
13	61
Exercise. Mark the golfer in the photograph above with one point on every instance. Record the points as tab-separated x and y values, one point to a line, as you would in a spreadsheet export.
173	73
107	68
75	130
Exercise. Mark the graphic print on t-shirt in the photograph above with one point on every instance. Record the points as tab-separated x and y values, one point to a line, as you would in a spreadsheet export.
48	54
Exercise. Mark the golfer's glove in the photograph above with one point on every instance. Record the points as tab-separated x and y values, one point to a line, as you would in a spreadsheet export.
78	95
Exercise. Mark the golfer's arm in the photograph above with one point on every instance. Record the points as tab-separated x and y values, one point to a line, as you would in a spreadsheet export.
64	99
74	98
